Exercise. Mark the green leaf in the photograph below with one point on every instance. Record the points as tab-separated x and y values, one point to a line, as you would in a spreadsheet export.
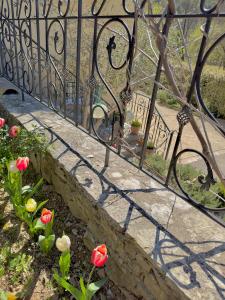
40	205
68	287
46	243
64	264
2	271
39	225
26	189
92	288
35	189
3	295
82	286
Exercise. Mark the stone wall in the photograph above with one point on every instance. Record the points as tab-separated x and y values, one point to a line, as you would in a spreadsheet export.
158	244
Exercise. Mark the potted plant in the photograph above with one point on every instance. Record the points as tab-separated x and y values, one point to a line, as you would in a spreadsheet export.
135	127
150	149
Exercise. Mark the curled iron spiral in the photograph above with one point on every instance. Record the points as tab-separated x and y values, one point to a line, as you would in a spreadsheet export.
199	76
117	116
48	8
205	181
208	10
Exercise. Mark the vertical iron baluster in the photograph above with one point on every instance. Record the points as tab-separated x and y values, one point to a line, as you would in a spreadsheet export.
38	49
189	94
175	150
156	122
1	48
48	62
79	28
22	87
153	98
199	59
93	72
32	57
158	134
11	47
64	67
169	144
15	44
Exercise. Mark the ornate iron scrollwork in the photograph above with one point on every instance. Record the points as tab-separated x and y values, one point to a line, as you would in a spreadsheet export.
205	181
184	116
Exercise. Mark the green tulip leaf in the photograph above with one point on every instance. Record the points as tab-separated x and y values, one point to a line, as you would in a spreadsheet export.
92	288
68	287
39	225
26	189
82	286
40	205
35	189
64	264
3	295
46	243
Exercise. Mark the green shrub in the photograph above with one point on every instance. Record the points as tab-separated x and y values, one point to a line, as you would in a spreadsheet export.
150	145
213	90
188	178
157	165
168	100
136	123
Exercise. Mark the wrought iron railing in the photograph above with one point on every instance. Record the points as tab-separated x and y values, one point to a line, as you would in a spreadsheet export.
80	61
160	134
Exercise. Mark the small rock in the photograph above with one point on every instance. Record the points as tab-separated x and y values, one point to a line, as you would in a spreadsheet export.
101	273
47	188
74	231
90	156
109	294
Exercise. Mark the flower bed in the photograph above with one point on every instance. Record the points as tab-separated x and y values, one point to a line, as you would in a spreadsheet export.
33	217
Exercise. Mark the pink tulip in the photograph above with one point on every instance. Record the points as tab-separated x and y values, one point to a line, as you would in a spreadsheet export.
2	122
22	163
46	216
99	256
14	131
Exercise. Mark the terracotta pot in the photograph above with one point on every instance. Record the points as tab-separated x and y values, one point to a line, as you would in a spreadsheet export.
135	130
150	151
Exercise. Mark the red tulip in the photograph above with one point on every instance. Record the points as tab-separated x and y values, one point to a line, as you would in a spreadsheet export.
46	216
14	131
22	163
2	122
99	256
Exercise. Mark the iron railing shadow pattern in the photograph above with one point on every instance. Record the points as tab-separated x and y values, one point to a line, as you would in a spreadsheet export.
34	56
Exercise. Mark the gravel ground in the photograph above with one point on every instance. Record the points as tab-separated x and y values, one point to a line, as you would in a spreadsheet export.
35	280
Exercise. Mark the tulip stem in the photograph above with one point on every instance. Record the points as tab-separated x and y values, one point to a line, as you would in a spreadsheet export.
90	275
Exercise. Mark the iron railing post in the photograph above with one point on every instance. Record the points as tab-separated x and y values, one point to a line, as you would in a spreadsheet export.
153	99
64	68
92	78
189	95
38	48
15	43
169	145
79	28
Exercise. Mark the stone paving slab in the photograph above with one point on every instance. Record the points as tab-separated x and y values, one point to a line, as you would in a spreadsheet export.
189	138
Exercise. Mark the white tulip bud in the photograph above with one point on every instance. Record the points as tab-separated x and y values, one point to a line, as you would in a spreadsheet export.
12	167
63	244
